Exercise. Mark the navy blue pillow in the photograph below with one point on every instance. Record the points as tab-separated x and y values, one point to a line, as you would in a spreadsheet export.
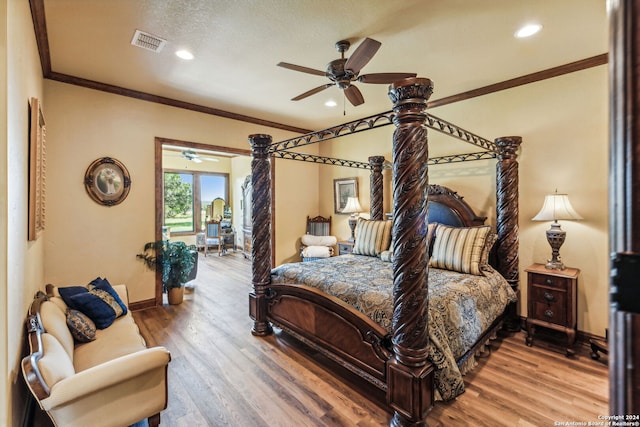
102	314
100	302
67	292
103	284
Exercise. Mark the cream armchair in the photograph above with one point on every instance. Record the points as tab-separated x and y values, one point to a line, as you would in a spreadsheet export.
114	380
318	242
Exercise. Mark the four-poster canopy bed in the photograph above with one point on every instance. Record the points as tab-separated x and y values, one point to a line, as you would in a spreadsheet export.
394	359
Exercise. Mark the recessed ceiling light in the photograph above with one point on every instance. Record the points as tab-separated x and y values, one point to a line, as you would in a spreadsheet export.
528	30
330	103
184	54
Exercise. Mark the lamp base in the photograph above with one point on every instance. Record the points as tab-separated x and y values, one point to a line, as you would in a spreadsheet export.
554	265
353	220
555	237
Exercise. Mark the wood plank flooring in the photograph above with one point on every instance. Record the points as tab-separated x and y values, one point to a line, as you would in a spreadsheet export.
221	375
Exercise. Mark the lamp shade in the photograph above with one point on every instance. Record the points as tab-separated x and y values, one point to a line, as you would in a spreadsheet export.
353	206
556	206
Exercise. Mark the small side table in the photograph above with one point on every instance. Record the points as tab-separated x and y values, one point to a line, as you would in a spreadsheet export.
345	247
552	302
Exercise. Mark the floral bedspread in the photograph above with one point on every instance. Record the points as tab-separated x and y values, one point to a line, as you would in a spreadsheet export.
461	306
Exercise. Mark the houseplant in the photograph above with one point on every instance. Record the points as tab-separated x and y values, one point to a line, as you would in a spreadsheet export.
175	260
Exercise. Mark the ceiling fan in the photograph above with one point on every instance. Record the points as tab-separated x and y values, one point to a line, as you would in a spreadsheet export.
344	71
195	157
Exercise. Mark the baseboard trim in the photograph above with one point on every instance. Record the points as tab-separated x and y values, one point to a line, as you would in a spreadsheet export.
142	305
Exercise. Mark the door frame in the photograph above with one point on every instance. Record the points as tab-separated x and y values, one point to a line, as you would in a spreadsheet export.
159	193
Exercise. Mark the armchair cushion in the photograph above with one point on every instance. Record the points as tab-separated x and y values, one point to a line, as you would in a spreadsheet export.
317	252
311	240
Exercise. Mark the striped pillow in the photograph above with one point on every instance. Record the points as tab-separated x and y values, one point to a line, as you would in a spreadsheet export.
459	248
372	237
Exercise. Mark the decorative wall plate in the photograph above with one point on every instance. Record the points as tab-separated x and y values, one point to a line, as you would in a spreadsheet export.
107	181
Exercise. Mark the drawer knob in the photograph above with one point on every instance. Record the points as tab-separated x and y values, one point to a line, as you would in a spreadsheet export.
549	297
548	313
549	281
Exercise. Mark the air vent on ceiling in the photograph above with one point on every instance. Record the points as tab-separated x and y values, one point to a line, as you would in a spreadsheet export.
148	41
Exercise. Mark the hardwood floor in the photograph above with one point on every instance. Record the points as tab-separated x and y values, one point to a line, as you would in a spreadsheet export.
221	375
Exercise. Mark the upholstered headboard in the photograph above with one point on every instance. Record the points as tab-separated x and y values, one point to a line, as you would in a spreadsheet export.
445	206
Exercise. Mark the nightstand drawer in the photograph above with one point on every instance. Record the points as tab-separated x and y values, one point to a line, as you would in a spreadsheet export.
546	295
552	313
546	280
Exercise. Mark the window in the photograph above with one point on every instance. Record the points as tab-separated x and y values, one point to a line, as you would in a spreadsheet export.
187	195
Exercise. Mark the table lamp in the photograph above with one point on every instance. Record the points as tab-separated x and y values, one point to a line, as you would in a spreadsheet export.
352	207
556	206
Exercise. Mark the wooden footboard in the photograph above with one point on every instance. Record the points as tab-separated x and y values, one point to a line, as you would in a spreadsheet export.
333	328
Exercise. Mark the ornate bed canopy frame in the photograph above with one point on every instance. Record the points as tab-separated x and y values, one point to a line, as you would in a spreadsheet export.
409	376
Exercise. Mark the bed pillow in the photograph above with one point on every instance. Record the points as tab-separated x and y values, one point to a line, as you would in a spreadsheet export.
431	232
387	256
486	250
372	237
459	248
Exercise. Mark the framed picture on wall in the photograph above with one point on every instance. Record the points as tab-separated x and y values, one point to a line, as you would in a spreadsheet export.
107	181
37	169
343	188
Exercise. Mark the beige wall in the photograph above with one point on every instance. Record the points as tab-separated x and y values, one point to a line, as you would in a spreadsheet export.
22	267
564	125
84	239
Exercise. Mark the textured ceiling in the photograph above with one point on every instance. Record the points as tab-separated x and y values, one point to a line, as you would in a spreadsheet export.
459	44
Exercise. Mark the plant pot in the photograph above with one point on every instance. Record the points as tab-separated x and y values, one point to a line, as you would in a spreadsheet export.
175	295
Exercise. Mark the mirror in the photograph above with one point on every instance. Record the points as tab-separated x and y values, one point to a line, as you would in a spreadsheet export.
217	209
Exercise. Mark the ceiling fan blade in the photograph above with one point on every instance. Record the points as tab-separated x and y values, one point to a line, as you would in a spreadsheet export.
362	55
354	95
382	78
312	92
301	69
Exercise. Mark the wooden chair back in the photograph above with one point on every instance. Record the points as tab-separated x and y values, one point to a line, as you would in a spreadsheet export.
319	226
212	229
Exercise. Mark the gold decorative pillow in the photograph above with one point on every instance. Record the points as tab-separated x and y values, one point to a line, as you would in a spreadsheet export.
459	248
372	237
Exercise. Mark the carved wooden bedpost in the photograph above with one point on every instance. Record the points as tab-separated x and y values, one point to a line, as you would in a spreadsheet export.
410	375
376	188
261	235
507	207
507	216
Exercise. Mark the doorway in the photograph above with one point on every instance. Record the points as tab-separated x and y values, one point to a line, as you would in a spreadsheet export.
193	160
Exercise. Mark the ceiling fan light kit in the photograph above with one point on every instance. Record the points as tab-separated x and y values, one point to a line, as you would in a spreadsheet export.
344	71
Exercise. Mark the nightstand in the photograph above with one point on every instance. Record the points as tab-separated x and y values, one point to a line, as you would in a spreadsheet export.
552	298
345	247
